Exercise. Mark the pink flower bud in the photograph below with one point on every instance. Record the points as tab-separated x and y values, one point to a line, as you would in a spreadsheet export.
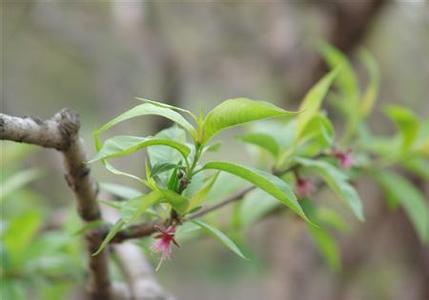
345	158
304	187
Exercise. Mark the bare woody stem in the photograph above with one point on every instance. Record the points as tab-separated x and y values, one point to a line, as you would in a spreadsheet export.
61	132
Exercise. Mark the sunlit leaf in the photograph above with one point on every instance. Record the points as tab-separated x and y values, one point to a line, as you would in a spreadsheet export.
216	233
265	181
371	92
407	123
144	110
166	105
233	112
124	145
312	101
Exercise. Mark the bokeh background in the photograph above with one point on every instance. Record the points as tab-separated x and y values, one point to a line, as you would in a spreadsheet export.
96	56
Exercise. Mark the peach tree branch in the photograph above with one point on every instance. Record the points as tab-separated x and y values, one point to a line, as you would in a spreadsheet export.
61	132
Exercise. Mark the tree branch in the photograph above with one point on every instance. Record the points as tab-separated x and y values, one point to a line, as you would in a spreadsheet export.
61	133
138	272
148	228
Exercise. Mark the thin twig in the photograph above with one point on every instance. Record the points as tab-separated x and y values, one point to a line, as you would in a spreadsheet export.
233	198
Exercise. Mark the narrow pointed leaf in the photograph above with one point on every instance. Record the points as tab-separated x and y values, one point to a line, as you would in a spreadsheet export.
219	235
200	196
233	112
166	105
262	140
346	81
410	198
178	202
406	122
124	145
327	246
312	101
118	190
144	110
371	92
265	181
113	231
337	181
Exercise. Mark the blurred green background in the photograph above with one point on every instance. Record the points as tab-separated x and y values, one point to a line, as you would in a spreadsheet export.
96	56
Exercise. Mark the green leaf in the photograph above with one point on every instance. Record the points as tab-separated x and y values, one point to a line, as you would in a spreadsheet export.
346	81
161	168
418	166
317	135
131	210
17	181
121	191
263	140
134	208
233	112
407	123
166	105
178	202
124	145
19	233
410	198
113	231
370	95
337	181
199	196
265	181
115	171
144	110
87	226
312	101
213	147
255	205
162	154
327	245
216	233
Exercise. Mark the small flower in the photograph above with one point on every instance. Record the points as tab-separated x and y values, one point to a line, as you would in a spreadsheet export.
304	187
345	158
165	238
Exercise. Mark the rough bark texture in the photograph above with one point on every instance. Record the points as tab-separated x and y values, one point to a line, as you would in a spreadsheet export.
61	133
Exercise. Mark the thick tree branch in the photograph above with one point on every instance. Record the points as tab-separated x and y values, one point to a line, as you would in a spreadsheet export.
61	133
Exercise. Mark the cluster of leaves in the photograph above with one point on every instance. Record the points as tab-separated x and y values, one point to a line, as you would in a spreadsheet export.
43	263
304	142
